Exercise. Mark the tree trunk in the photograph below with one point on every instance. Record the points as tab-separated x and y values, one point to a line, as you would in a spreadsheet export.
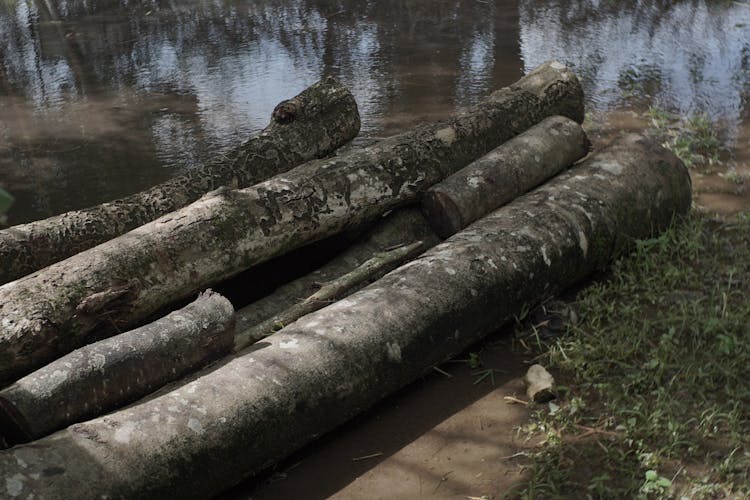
311	125
503	174
111	373
240	417
398	238
47	314
402	227
500	176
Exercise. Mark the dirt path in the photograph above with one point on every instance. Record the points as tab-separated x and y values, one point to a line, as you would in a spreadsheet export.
441	437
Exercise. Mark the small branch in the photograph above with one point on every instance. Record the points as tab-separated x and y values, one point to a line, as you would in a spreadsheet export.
514	400
372	269
367	457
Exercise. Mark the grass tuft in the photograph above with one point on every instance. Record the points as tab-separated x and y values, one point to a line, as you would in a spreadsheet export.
657	371
695	140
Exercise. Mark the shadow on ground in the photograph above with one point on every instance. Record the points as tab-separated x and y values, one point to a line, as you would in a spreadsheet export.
447	435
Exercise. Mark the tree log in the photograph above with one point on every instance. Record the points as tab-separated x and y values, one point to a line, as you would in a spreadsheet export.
110	373
238	418
503	174
310	125
400	229
370	270
64	306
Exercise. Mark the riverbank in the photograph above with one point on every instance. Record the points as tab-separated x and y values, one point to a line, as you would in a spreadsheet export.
653	370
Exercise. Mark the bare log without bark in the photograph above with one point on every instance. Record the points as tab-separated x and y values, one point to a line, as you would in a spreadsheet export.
240	417
108	374
62	307
503	174
311	125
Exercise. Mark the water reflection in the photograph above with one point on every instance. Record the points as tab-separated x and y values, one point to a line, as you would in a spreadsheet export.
100	99
691	56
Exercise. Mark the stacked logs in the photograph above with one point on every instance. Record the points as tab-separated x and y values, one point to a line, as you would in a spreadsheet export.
326	346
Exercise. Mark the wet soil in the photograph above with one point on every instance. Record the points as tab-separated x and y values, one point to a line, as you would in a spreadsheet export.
722	189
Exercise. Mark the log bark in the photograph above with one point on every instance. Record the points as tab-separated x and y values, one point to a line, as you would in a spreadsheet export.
51	312
372	269
501	175
310	125
238	418
400	229
110	373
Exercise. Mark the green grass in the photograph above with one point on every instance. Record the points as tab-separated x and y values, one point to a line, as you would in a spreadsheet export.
657	371
695	140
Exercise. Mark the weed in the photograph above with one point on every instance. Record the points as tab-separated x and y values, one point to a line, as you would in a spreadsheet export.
695	140
656	370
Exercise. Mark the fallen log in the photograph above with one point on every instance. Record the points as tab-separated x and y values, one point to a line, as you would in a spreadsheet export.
501	175
238	418
311	125
370	270
110	373
364	261
118	283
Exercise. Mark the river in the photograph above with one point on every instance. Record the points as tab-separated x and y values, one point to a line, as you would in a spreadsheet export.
99	99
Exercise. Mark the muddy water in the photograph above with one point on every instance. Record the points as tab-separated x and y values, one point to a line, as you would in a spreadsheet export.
100	99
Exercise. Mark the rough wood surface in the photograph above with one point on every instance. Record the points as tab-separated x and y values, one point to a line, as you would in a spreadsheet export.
501	175
108	374
237	418
311	125
331	291
122	281
400	228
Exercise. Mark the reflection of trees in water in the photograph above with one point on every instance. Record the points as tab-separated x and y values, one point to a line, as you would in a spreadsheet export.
212	49
233	61
690	56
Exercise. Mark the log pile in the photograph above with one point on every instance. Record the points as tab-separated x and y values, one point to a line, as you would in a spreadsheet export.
328	345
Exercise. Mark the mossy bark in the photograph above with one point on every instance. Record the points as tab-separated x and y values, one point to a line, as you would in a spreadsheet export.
121	282
504	173
110	373
311	125
240	417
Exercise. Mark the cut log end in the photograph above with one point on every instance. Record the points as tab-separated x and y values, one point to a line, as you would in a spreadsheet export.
112	372
285	111
442	212
506	172
15	428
